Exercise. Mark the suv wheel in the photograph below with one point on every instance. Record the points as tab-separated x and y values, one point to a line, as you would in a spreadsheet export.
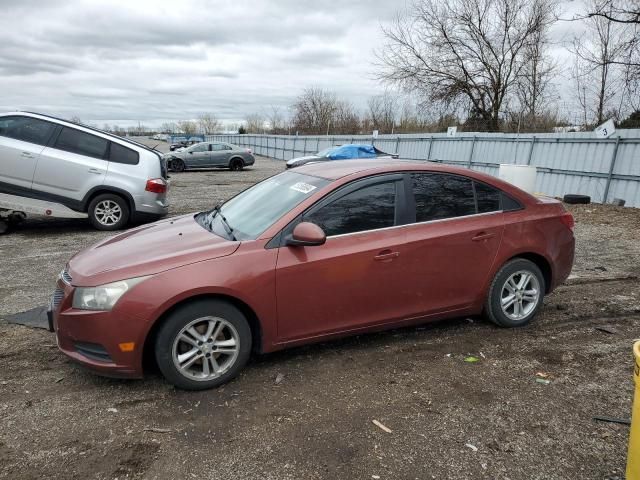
108	212
516	294
203	344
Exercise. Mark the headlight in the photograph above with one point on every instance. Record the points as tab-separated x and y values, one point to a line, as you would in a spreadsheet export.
103	297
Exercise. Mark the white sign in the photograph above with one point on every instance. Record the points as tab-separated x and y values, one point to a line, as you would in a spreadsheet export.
375	134
451	131
302	187
606	129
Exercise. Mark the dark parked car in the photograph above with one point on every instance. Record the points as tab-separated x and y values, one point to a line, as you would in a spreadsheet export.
310	254
341	152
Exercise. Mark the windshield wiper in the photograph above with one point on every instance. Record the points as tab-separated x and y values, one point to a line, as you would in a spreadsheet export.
216	210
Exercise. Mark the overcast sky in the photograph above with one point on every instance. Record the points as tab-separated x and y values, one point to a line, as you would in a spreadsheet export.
155	61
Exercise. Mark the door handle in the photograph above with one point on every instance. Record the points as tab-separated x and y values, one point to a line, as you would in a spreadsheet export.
483	236
386	255
27	154
95	170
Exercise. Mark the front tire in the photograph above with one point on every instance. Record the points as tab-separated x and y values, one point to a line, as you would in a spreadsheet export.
177	165
108	212
203	344
516	294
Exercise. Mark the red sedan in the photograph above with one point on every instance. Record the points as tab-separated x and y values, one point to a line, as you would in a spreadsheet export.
318	252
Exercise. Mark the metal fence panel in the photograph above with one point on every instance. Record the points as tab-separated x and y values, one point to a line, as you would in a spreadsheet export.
576	162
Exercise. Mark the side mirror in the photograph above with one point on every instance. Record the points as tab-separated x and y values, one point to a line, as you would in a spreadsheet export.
306	234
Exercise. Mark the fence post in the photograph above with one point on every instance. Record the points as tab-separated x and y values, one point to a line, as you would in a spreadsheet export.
611	167
397	145
430	145
533	142
318	144
304	147
473	146
293	149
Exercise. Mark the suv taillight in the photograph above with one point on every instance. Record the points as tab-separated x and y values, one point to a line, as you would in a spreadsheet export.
568	220
156	185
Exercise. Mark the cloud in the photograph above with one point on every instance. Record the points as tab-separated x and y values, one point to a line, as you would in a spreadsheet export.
158	60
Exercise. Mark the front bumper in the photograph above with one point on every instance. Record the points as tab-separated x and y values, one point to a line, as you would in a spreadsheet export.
93	338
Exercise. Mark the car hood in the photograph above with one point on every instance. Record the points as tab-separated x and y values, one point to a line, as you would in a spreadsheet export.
302	160
147	250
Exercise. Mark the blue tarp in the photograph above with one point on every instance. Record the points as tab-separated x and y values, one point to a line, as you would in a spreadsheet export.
353	151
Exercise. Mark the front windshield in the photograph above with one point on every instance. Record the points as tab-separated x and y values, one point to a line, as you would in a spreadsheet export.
251	212
326	152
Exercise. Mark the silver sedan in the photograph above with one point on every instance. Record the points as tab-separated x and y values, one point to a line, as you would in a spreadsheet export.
210	155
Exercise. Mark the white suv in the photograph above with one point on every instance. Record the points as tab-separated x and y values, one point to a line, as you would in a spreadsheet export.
111	179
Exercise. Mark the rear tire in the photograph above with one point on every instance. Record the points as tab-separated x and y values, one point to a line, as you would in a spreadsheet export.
108	211
203	344
516	294
236	164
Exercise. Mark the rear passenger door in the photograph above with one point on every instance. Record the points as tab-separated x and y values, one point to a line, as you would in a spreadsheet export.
452	245
73	165
199	155
220	154
22	139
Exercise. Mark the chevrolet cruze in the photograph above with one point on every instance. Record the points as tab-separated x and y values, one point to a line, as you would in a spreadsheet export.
322	251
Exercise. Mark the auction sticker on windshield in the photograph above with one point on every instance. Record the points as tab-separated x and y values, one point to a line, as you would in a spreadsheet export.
302	187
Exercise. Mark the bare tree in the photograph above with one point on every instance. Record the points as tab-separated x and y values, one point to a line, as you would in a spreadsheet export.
168	127
345	119
313	111
208	123
598	75
75	119
535	86
383	112
188	127
254	123
463	49
275	118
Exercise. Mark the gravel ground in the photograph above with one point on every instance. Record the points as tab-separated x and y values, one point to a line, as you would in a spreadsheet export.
448	418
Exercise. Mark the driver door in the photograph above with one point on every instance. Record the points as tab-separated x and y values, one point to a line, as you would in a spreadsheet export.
198	155
344	284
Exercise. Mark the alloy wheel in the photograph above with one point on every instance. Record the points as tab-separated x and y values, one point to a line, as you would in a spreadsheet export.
520	295
108	212
205	348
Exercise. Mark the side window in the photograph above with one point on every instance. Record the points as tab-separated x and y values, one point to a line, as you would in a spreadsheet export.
368	208
81	143
488	198
440	196
120	154
26	129
217	147
228	147
203	147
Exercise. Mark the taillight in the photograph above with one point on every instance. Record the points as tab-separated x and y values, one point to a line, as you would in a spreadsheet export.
156	185
568	220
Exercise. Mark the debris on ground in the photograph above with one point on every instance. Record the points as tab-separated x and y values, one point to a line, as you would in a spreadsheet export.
382	427
279	378
471	359
622	421
472	447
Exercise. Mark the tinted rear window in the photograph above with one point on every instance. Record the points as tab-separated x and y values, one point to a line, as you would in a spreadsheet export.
440	196
26	129
120	154
488	198
82	143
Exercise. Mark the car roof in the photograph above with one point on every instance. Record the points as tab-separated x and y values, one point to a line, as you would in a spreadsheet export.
342	168
359	168
79	126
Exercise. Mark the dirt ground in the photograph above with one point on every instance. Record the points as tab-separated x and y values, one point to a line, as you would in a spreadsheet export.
448	419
